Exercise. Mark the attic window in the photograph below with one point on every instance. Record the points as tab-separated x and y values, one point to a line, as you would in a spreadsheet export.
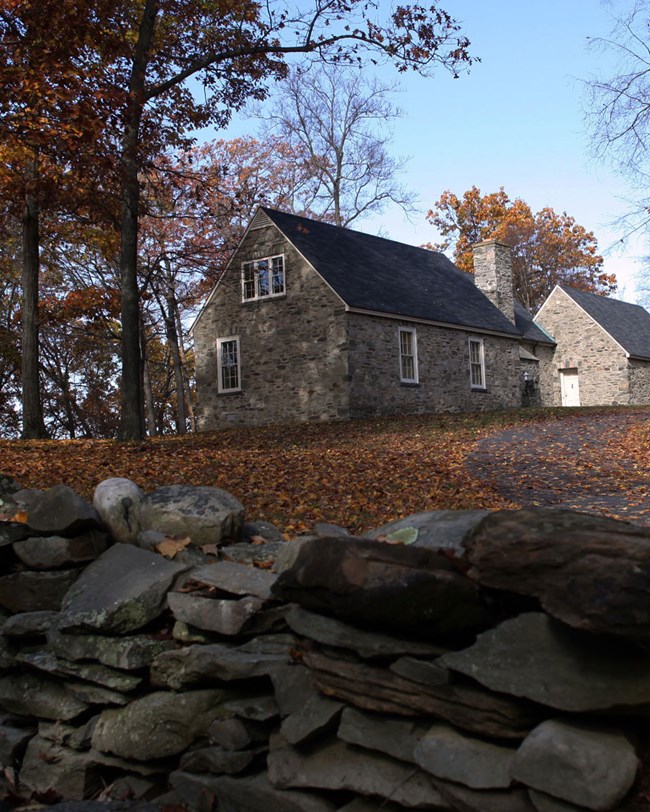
263	278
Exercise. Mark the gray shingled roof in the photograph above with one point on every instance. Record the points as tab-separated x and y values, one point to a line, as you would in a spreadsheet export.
383	276
629	324
527	327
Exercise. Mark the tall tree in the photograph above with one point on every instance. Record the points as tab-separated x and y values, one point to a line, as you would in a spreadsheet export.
338	123
547	248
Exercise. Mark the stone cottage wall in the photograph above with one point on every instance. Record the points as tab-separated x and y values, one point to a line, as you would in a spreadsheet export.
293	348
548	377
583	344
639	372
443	365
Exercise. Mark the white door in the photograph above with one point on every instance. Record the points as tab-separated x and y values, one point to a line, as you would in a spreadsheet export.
570	387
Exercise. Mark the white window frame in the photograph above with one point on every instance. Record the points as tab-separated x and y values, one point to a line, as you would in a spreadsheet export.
476	365
221	388
257	286
410	359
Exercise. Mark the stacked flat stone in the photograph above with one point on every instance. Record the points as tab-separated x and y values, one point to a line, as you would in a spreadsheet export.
455	661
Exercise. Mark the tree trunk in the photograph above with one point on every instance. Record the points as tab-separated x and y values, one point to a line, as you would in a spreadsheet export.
33	425
131	405
169	315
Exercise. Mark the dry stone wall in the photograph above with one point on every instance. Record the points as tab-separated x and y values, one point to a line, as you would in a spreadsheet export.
467	661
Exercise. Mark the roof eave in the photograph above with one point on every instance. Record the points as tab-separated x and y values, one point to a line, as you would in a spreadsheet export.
515	336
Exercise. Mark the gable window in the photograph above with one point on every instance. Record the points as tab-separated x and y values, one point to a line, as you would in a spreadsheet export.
262	278
408	355
228	365
476	363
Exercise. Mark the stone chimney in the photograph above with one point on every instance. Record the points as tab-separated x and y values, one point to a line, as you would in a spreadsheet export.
493	274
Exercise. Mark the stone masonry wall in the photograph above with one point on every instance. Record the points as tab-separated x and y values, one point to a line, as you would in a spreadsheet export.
603	375
548	377
293	348
443	364
639	372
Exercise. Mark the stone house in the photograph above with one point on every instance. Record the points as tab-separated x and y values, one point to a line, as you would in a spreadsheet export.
602	353
311	321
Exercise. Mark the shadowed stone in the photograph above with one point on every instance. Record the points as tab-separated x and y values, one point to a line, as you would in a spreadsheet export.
30	591
570	561
338	766
424	671
216	760
58	511
13	741
123	590
391	735
226	617
206	515
51	552
160	724
29	624
332	632
49	767
588	766
46	660
464	799
33	695
11	532
448	754
236	734
236	579
542	802
536	657
117	500
250	794
409	589
96	694
318	715
255	708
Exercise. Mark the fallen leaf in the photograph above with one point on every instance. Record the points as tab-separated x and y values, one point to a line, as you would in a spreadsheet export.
172	545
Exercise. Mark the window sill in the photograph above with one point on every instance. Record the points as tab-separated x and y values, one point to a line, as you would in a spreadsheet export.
410	384
479	389
230	392
264	298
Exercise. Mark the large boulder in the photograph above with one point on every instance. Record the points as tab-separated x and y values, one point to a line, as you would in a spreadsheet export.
205	515
117	500
433	529
402	588
119	592
590	572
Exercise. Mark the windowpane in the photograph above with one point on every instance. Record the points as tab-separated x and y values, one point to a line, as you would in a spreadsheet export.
407	356
263	277
249	280
229	364
476	364
277	280
263	285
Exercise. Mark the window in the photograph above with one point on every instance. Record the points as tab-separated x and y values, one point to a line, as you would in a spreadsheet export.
263	278
476	363
408	355
228	367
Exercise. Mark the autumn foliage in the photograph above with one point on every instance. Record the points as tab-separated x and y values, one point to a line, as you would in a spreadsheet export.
358	474
547	248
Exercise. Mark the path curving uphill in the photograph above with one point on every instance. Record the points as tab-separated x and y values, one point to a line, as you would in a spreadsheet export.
576	462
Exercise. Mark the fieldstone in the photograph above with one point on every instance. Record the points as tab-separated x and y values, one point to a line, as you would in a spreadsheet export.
236	734
407	589
397	737
93	694
184	633
199	663
318	715
370	805
58	511
252	531
435	529
329	530
249	794
158	725
8	487
464	799
74	737
425	671
11	532
29	624
33	695
569	561
206	515
287	553
584	765
339	766
52	552
227	617
235	579
122	590
45	660
466	706
293	685
49	768
535	657
117	500
216	760
31	591
541	802
252	554
7	654
127	653
448	754
13	741
368	645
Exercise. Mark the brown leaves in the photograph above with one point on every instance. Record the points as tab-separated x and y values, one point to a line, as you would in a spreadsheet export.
170	546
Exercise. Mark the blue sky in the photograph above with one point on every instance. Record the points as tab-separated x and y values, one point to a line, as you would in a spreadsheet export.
517	121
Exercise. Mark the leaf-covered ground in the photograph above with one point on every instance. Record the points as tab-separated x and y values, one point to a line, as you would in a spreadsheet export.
357	474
